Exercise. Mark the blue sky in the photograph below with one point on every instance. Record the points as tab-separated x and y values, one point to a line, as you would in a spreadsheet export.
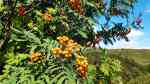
138	38
145	39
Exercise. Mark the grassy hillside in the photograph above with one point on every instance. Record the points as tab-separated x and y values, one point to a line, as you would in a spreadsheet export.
135	62
140	56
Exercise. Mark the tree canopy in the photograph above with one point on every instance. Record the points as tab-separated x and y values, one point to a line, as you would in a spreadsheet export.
43	41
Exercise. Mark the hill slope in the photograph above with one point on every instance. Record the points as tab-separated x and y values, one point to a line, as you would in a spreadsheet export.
140	56
135	62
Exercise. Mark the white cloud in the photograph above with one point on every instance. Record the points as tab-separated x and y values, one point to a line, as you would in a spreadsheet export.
121	44
135	33
134	37
147	11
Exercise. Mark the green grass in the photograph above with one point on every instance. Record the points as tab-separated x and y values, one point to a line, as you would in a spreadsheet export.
140	80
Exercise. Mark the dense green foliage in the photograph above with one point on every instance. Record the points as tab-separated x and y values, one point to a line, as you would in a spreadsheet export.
44	41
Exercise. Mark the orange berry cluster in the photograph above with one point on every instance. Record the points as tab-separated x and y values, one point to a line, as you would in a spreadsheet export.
76	5
82	66
47	17
35	57
57	51
68	47
21	10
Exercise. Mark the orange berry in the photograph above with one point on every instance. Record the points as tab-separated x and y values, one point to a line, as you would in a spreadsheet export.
69	50
63	40
82	65
56	51
78	62
68	55
29	62
70	41
35	56
47	17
